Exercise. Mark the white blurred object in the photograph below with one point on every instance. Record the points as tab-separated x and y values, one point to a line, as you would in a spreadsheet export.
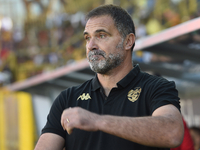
6	23
147	57
5	77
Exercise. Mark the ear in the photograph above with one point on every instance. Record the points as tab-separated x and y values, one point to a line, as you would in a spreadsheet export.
129	41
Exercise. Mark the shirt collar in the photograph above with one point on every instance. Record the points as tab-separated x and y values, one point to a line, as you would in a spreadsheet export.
95	83
122	83
129	77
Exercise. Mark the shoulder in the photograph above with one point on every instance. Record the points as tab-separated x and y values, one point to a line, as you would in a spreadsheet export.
70	95
74	91
155	81
160	91
84	86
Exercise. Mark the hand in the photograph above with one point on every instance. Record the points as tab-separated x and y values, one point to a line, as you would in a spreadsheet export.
79	118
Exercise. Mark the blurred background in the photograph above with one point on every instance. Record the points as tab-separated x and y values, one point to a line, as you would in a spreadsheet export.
42	52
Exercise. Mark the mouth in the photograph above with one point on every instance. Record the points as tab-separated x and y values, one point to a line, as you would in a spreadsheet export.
96	55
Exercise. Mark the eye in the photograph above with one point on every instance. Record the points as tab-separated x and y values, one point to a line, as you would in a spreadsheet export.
87	38
102	36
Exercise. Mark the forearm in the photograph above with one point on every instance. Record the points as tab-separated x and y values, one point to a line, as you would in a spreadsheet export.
50	141
163	129
156	131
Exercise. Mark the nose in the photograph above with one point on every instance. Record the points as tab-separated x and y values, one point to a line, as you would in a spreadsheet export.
92	44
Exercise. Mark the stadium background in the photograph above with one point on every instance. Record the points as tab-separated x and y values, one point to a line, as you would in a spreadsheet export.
40	37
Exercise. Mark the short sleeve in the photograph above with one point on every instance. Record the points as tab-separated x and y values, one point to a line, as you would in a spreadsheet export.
53	124
164	92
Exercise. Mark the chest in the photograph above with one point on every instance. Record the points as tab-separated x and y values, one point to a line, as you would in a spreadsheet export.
120	102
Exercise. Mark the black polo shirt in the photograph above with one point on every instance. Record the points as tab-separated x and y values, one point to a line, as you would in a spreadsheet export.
138	94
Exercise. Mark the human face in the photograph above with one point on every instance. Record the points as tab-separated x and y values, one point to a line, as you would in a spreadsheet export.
104	44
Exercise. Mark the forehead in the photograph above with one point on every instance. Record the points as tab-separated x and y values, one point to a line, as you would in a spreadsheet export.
101	22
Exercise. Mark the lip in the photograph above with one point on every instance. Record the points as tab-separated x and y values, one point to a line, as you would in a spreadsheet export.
95	57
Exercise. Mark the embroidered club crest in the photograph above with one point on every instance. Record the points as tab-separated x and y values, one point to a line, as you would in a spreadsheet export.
133	95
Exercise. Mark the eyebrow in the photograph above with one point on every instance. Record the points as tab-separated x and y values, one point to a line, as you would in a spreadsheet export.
98	31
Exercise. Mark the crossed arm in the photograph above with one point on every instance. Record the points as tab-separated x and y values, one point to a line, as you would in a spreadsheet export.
163	129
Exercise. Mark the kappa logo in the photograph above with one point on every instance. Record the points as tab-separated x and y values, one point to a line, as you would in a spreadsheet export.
84	97
133	95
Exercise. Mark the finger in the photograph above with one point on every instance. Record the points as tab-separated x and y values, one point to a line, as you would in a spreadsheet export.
69	131
62	123
63	118
68	127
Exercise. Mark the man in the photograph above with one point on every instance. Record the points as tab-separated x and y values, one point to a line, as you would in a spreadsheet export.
121	108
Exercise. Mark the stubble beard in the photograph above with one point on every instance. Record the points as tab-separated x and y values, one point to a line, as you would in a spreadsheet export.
109	62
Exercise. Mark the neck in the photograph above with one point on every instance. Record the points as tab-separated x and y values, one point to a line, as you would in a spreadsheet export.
110	80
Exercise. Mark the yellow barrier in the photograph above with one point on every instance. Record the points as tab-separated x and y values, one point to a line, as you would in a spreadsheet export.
17	128
2	123
26	123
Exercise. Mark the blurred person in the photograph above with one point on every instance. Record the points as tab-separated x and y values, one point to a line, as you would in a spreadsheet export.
141	30
187	143
153	26
171	18
195	133
121	107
